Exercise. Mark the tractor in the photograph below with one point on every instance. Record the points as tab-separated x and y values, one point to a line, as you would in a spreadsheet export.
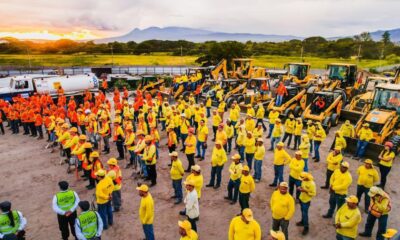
298	73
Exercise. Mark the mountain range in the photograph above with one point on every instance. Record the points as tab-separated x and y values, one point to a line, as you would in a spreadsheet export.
200	35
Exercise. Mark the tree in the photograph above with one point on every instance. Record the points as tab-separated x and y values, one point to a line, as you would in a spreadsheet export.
386	38
215	51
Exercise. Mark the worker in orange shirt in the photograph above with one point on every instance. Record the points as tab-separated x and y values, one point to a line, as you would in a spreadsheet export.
73	118
126	94
39	123
31	122
1	122
24	121
104	86
281	91
81	120
116	97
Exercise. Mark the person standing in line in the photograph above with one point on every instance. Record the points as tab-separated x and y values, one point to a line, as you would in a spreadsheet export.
116	176
297	133
367	177
190	148
146	211
386	158
307	192
319	137
65	203
311	133
289	129
258	159
235	170
276	134
88	225
246	187
304	147
150	159
347	219
176	174
104	190
12	223
201	143
218	159
119	138
192	210
186	231
244	226
333	161
296	168
281	158
364	135
250	148
282	207
260	115
272	117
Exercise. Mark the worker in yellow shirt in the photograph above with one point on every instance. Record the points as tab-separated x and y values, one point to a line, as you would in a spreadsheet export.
130	146
298	128
216	121
272	116
241	135
250	110
229	131
221	109
277	235
289	129
296	168
176	174
234	115
184	129
208	106
105	133
115	174
258	159
386	158
347	130
311	133
246	187
149	158
364	135
201	143
190	148
73	140
307	192
339	185
367	177
104	189
304	147
221	136
281	158
260	115
218	159
249	123
319	136
282	207
340	141
244	227
277	133
347	219
379	209
186	231
249	148
197	178
235	170
119	138
258	131
333	161
146	211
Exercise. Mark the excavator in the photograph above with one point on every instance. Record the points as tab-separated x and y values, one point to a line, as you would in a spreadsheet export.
150	83
383	120
243	68
298	73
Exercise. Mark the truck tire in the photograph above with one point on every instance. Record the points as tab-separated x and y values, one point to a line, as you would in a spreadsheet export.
297	111
229	102
347	107
240	99
185	95
327	123
287	112
335	119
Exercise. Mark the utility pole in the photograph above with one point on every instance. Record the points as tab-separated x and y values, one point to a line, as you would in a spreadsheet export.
112	56
301	53
359	53
29	59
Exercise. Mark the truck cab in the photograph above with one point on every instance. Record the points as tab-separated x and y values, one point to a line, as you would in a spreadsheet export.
20	86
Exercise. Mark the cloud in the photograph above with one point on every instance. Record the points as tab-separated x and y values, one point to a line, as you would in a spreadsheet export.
289	17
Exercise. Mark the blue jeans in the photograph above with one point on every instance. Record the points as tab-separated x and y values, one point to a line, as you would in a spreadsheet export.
311	145
305	164
292	183
132	159
249	159
382	225
304	212
106	214
257	169
233	123
143	166
363	190
177	185
201	151
241	153
208	112
148	231
279	100
341	237
335	200
216	172
233	189
278	169
273	141
361	146
271	127
316	149
162	125
229	145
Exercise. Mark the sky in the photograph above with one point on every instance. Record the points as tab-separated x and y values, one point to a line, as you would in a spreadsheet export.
88	19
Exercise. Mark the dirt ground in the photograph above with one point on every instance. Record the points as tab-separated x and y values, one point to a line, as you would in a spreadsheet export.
29	176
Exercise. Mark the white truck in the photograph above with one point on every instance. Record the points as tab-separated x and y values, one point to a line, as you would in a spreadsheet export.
26	85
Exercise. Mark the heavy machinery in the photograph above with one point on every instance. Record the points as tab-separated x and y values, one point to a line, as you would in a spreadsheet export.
293	103
221	66
228	89
361	103
150	83
383	120
200	74
329	115
298	73
132	81
243	68
253	94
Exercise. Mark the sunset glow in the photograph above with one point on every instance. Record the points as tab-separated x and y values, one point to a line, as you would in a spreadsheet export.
46	35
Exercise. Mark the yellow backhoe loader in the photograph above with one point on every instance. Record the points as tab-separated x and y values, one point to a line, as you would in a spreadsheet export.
298	73
293	103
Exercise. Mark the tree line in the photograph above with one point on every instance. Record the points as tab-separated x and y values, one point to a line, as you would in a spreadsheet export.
211	52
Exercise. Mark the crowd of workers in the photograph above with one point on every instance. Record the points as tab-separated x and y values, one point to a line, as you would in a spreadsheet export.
82	132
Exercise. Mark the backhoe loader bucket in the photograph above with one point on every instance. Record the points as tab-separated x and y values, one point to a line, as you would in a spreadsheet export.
352	116
372	150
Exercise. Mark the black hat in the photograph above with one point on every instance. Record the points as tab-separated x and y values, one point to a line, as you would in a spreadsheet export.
84	205
5	206
63	185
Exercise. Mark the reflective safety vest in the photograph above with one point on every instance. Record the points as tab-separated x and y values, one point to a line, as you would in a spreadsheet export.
65	200
5	223
88	223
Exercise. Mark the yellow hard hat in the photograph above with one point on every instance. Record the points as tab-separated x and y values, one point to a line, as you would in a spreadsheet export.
94	154
82	137
100	173
74	129
173	154
112	174
248	214
148	138
368	161
390	232
196	168
143	188
117	111
236	157
87	145
112	161
277	235
65	125
352	199
283	184
246	168
280	144
345	164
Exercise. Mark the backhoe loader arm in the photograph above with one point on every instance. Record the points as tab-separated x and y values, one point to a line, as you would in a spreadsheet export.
220	66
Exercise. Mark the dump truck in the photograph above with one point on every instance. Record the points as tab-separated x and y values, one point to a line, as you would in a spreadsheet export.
298	73
383	119
329	115
361	103
27	85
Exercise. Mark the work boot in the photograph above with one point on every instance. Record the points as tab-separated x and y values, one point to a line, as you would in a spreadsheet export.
305	231
120	158
209	185
300	224
272	185
216	187
177	201
327	216
324	187
364	234
227	198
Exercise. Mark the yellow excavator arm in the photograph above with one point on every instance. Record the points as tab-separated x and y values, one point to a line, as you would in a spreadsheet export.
221	66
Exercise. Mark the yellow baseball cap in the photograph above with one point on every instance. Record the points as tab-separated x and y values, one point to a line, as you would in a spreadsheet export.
277	235
352	199
143	188
185	225
283	184
345	164
280	144
246	168
173	154
82	137
236	156
87	145
248	214
390	232
298	153
369	161
260	140
94	154
196	168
